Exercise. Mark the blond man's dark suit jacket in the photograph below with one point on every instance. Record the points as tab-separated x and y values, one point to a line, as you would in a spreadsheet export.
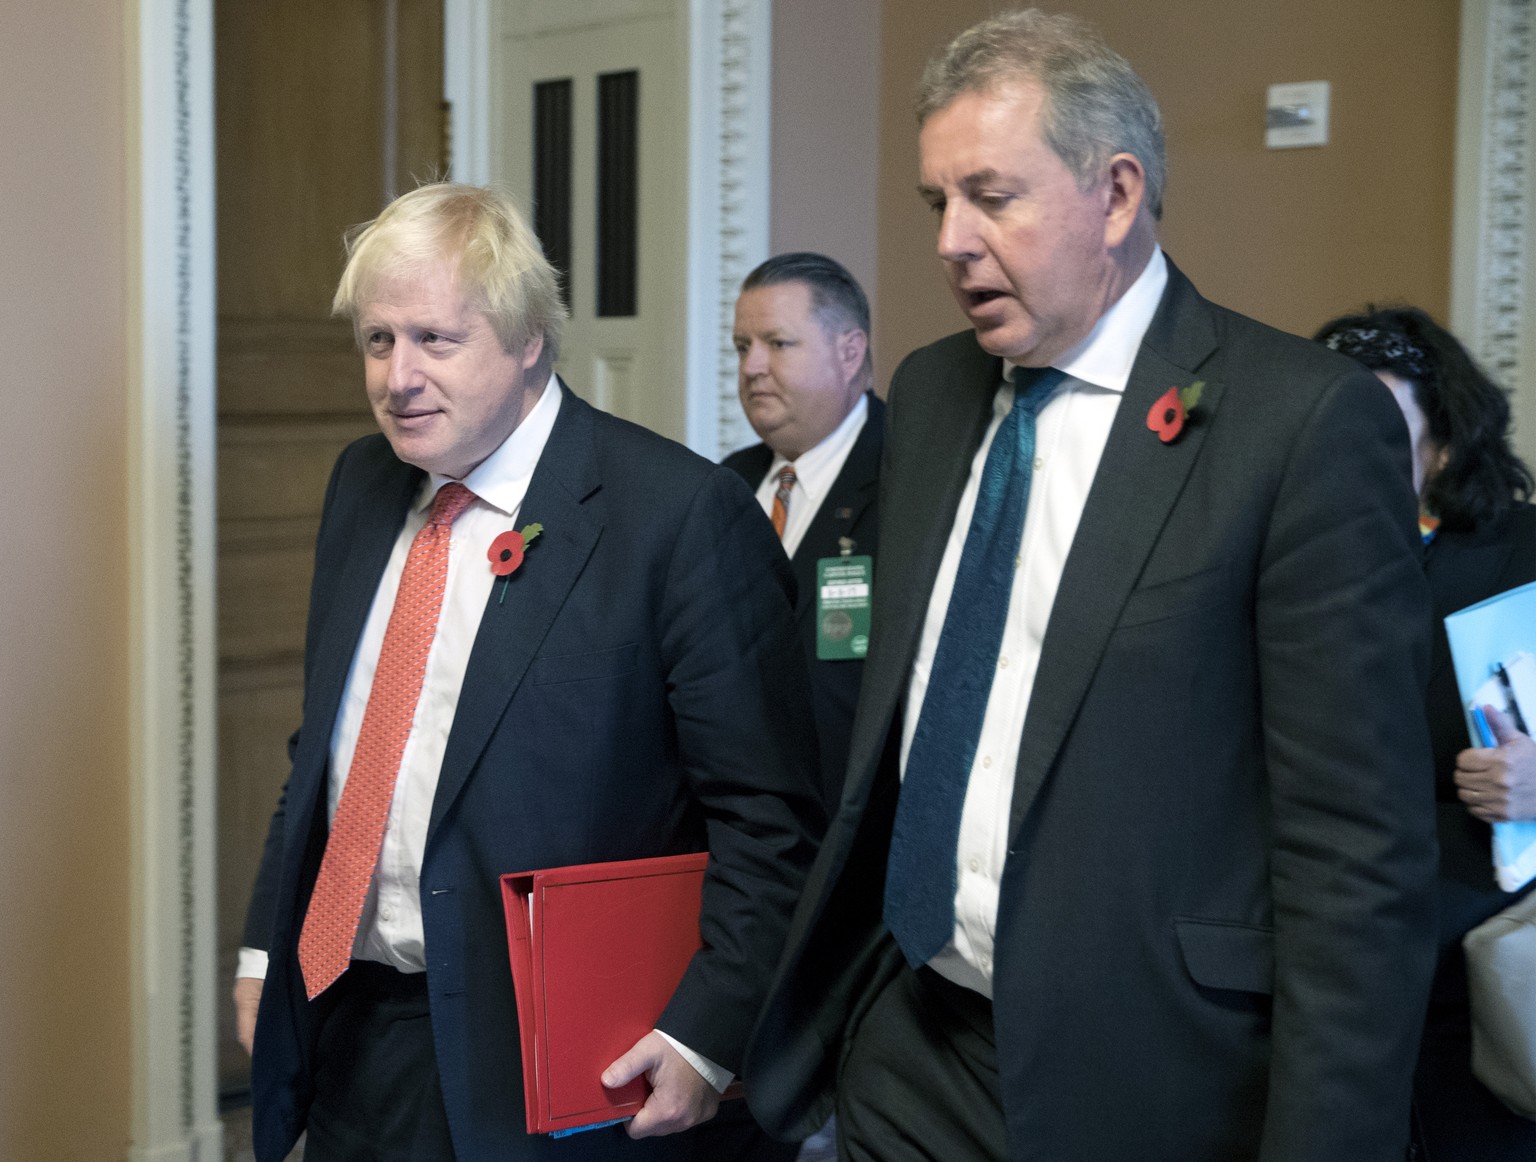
1215	929
850	510
638	691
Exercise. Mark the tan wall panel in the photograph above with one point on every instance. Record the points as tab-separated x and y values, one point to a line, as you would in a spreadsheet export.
421	156
65	1047
263	596
300	94
308	101
260	704
1289	236
257	707
280	469
280	231
288	367
826	103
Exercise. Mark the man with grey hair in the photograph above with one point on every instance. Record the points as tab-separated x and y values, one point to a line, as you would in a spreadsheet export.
1136	855
538	636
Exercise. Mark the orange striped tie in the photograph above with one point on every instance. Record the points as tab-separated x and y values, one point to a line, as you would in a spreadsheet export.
352	852
780	513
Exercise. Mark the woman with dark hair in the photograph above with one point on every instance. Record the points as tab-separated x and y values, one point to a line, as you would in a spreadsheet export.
1480	539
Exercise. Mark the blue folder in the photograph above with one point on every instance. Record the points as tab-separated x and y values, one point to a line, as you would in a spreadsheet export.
1483	637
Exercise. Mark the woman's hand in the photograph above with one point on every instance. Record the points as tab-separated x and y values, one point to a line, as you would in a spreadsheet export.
1498	783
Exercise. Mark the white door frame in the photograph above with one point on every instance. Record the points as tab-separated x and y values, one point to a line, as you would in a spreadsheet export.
730	59
1493	250
173	691
729	111
467	35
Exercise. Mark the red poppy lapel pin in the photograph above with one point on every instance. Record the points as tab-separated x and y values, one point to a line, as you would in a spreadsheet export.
1172	408
506	553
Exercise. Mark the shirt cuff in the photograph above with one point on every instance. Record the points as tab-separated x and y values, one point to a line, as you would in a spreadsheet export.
717	1075
253	962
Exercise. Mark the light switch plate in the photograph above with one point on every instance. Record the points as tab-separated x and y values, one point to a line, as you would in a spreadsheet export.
1297	115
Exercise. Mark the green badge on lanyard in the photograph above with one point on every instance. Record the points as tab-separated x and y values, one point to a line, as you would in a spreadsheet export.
842	607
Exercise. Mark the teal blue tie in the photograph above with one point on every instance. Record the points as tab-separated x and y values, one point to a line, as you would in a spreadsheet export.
920	873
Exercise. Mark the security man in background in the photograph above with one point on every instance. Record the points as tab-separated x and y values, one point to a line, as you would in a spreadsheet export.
802	337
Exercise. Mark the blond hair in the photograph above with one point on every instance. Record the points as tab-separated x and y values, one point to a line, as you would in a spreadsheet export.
496	259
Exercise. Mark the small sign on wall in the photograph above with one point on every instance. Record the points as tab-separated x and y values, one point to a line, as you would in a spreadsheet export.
1296	115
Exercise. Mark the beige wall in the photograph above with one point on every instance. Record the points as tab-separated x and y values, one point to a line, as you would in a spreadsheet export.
1288	236
824	169
64	800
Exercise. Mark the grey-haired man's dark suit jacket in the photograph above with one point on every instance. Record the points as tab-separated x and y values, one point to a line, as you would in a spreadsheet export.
1215	929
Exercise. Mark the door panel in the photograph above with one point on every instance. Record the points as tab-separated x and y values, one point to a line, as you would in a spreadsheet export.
324	112
632	365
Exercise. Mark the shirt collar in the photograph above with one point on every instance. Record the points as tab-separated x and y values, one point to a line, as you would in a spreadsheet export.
817	468
1105	356
501	479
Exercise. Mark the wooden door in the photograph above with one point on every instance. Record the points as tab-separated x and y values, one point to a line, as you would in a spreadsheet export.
325	112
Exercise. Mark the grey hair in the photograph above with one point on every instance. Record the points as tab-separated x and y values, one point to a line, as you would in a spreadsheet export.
1096	106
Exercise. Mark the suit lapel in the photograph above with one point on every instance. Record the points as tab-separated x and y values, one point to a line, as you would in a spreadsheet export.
511	630
1137	484
803	566
380	499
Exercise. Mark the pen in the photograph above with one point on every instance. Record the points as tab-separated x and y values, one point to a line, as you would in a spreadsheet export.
1484	731
1509	693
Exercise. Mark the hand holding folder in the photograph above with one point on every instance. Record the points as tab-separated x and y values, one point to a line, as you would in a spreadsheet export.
680	1096
1487	643
597	951
1497	781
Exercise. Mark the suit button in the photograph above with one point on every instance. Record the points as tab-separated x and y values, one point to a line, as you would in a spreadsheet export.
386	913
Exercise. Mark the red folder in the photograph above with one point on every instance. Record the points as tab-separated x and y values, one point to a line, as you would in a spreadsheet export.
597	951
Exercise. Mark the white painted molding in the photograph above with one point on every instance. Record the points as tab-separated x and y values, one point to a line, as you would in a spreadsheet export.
729	90
172	538
467	40
1493	268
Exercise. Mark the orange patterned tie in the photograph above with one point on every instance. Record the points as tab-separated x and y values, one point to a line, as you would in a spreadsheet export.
352	852
780	512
